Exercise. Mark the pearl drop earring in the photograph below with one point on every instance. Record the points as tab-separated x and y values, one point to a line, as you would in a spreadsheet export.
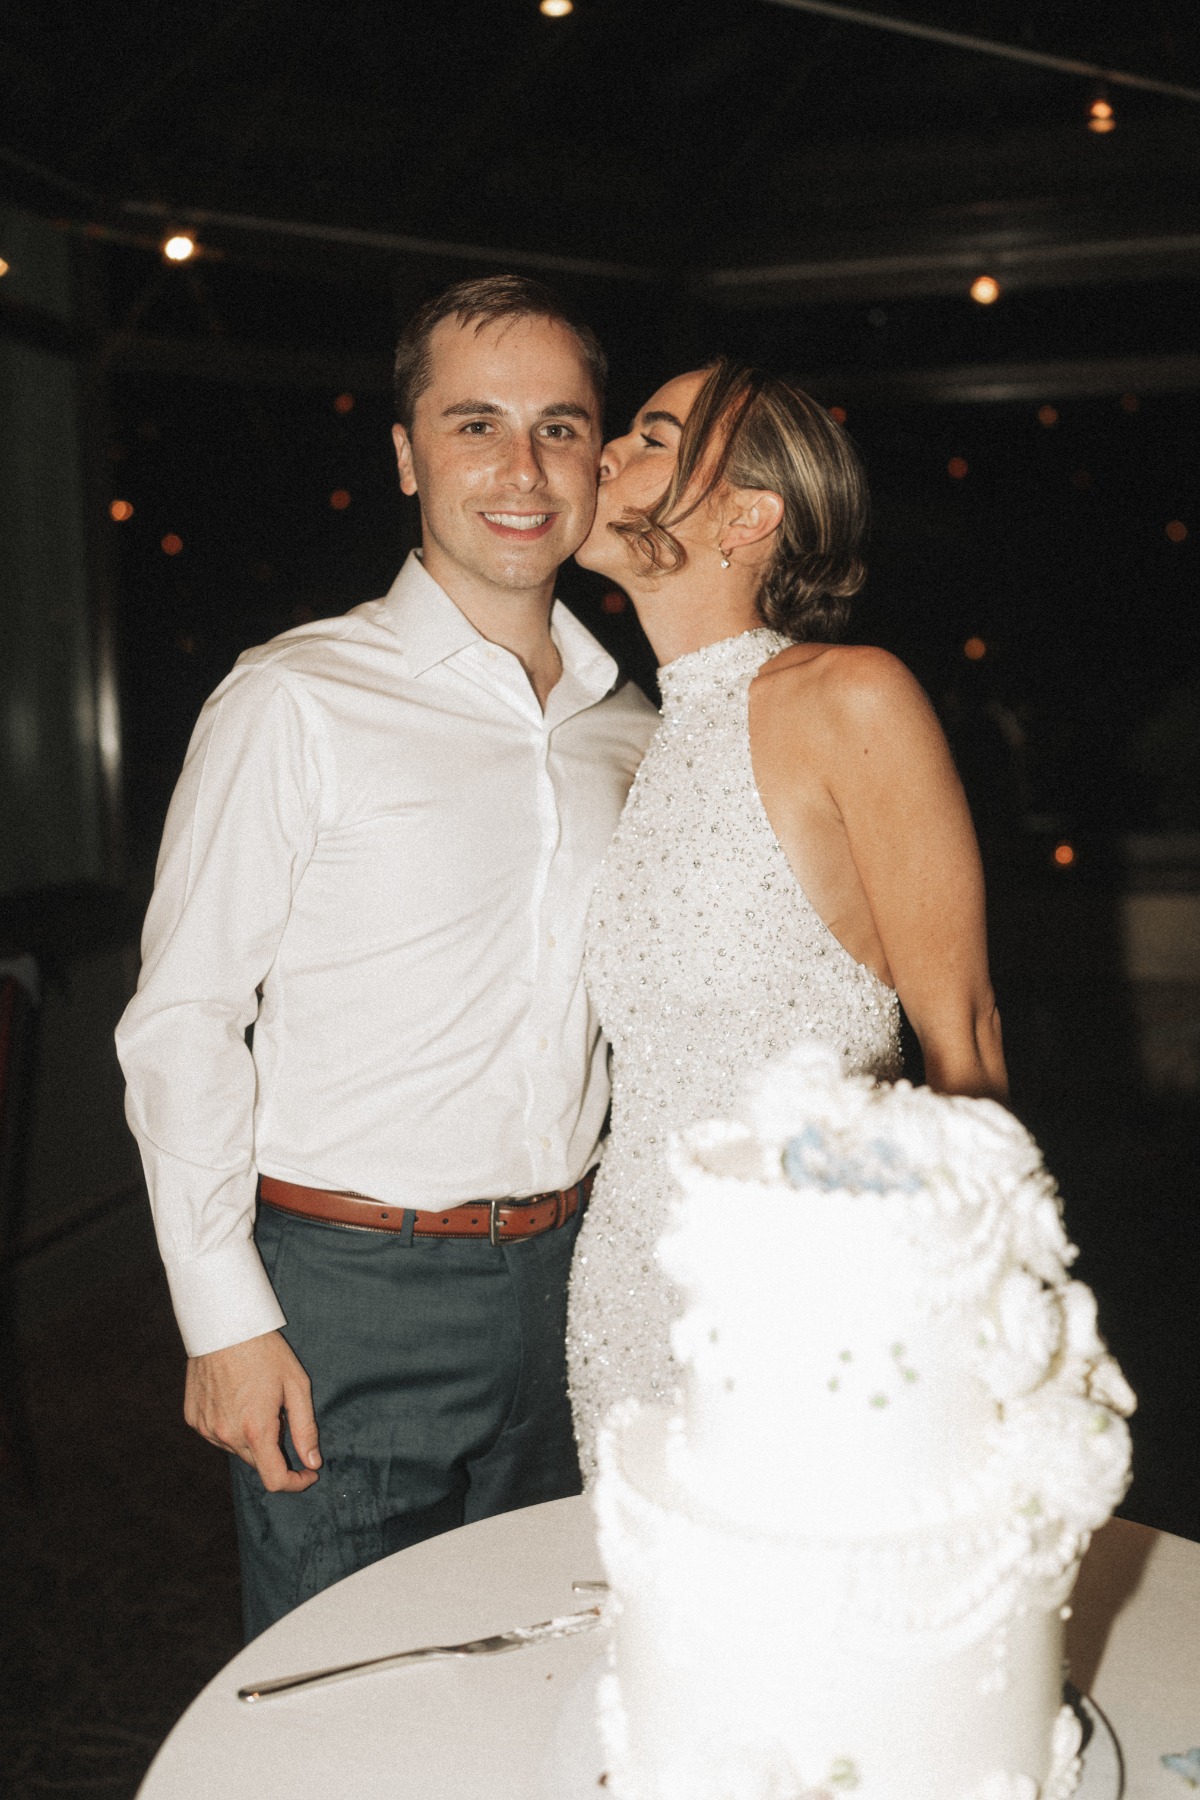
724	559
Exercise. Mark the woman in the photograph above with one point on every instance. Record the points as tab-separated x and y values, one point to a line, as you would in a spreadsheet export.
796	854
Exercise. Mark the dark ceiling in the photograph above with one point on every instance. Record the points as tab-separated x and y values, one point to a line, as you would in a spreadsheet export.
744	148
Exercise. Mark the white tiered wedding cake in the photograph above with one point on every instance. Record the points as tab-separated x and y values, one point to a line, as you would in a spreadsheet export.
840	1563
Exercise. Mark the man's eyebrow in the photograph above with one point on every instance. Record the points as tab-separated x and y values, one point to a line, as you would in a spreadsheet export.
659	418
462	408
568	409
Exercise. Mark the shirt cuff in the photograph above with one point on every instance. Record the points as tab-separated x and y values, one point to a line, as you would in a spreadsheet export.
223	1298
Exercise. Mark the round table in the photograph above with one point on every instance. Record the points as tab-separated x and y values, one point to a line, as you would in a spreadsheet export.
484	1729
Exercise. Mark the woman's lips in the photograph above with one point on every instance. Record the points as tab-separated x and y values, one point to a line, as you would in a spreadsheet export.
523	526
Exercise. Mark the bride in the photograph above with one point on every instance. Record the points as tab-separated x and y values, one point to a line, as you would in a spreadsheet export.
796	855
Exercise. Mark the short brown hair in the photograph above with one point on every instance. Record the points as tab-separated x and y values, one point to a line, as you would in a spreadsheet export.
480	303
768	433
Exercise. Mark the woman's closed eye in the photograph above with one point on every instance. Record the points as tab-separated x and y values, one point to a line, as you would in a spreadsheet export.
652	443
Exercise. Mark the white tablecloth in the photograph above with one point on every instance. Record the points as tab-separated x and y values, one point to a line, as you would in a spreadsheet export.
484	1729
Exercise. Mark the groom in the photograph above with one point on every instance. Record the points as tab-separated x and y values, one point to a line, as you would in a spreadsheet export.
379	854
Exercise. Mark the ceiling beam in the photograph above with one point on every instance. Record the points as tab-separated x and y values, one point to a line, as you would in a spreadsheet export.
959	40
951	269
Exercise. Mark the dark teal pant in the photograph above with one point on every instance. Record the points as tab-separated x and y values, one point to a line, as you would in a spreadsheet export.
439	1383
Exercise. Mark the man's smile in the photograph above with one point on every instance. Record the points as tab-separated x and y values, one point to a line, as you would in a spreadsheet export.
522	525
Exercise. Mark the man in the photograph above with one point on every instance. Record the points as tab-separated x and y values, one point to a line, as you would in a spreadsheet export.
380	852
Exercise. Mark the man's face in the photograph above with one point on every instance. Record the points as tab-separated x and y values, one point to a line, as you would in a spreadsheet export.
503	452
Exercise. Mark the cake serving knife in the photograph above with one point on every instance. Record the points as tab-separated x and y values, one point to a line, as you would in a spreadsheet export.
515	1639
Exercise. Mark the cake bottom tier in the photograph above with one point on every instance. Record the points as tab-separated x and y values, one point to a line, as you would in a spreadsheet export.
756	1667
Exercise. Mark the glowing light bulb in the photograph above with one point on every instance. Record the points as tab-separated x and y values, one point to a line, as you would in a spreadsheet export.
3	267
985	289
120	510
344	404
1100	117
1047	416
556	9
838	414
179	247
957	468
1064	855
172	544
339	499
1177	531
974	649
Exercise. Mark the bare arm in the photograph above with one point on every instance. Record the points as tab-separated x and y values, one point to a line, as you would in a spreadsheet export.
909	831
236	1398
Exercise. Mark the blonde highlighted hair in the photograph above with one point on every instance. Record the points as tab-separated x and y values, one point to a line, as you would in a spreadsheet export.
751	430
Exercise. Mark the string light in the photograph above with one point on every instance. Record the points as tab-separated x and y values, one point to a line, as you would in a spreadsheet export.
1047	416
1100	116
1064	855
957	468
556	9
172	544
1177	531
339	499
838	413
985	289
3	267
344	404
120	510
179	247
974	649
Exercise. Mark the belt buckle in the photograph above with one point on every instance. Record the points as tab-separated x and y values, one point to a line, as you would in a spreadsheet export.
494	1222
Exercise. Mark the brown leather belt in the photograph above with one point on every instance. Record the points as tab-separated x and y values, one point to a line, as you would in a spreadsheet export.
500	1221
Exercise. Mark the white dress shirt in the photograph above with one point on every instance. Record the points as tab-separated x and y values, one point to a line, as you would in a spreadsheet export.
378	831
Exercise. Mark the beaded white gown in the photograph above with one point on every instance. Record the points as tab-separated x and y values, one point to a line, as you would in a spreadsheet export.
705	958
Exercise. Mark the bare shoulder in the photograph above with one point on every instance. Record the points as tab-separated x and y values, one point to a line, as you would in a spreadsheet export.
847	684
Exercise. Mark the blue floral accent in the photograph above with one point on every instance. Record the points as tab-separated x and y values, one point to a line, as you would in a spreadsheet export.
815	1160
1187	1767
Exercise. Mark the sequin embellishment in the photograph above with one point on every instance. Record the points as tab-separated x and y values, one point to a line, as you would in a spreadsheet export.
705	958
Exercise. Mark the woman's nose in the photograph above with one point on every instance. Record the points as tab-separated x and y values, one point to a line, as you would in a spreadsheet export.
609	461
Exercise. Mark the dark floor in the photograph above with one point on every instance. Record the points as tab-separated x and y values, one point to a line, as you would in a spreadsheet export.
121	1595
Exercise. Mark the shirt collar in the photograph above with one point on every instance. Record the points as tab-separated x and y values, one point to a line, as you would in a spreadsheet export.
432	630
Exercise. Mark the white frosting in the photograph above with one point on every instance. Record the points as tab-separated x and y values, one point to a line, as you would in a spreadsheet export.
839	1561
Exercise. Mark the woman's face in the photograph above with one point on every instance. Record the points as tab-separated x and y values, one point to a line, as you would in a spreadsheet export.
635	471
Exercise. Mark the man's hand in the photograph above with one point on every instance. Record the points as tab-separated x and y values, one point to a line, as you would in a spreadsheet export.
236	1399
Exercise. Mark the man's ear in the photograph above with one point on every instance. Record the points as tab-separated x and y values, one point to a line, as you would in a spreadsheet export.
404	459
755	514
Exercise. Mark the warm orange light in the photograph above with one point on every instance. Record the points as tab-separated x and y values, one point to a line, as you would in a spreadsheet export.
974	649
556	9
1129	403
1047	416
838	413
1177	531
1064	855
172	544
120	510
339	499
957	468
1100	117
344	403
985	289
3	267
179	247
614	601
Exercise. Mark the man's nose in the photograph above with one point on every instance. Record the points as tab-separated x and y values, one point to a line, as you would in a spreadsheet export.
524	465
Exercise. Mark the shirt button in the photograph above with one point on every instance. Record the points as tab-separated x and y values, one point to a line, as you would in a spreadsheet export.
552	941
545	1143
543	1043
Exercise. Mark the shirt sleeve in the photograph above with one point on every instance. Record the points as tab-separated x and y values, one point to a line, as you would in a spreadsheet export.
240	830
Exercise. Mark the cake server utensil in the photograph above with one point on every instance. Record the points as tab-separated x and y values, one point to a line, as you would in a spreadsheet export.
516	1639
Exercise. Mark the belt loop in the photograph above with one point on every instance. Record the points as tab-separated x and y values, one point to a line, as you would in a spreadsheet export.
405	1233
